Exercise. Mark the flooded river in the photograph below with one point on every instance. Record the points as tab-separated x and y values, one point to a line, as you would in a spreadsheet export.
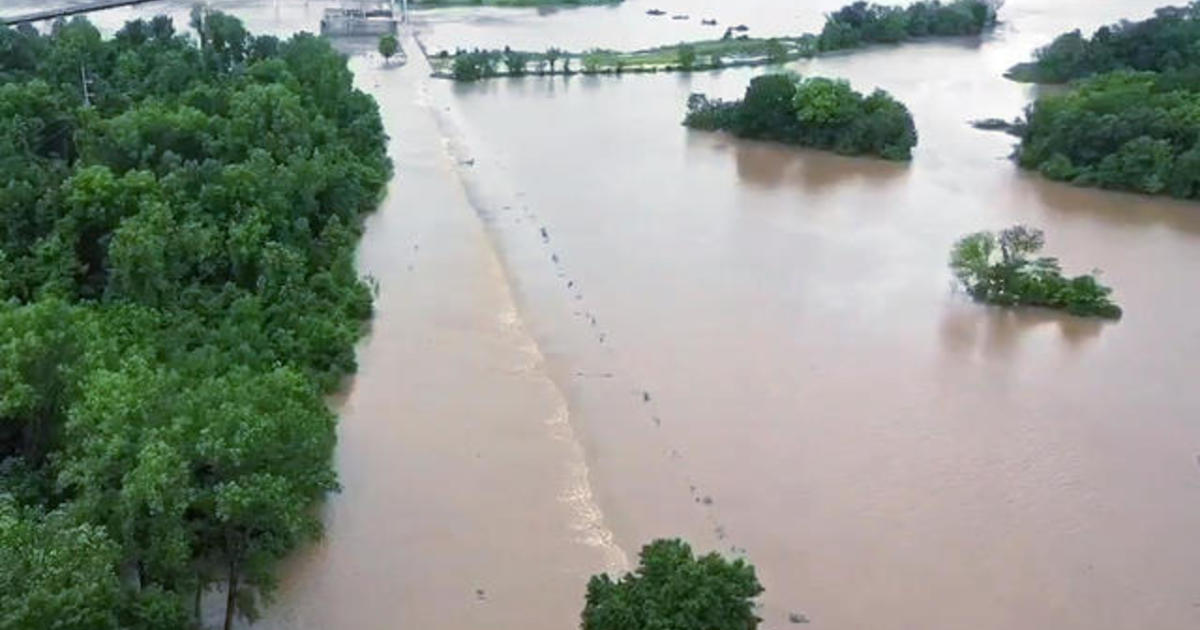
597	327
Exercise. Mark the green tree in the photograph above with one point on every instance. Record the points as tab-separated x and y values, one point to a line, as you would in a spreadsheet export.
55	574
686	55
516	61
672	589
552	57
776	51
388	46
821	101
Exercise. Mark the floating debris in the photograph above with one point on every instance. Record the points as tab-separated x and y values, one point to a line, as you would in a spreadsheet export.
797	618
656	12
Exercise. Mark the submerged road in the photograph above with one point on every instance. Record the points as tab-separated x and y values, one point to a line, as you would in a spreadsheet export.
51	14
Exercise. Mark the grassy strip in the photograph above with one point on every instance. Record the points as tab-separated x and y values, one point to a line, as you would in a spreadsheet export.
702	55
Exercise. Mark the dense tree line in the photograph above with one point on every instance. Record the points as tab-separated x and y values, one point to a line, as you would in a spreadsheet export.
1123	130
1165	43
1132	122
1000	269
814	112
177	294
673	589
862	23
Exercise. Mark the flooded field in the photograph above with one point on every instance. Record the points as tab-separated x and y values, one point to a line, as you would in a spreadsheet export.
597	327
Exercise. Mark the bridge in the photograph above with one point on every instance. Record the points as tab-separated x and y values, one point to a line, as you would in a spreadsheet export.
82	7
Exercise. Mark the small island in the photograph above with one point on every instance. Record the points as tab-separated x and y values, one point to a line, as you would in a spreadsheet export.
1128	122
812	112
1000	269
853	26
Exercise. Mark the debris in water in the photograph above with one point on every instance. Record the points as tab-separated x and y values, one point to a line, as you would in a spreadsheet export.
645	396
797	618
470	162
480	595
707	500
554	258
658	423
545	235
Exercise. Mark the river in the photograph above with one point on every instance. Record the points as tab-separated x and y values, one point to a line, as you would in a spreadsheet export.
597	327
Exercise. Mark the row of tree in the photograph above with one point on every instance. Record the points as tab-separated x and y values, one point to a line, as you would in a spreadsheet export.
177	295
814	112
851	26
1132	118
867	23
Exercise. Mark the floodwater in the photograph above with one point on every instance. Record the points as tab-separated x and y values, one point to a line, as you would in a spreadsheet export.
597	327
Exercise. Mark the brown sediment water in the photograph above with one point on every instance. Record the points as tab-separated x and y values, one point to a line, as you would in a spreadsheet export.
597	327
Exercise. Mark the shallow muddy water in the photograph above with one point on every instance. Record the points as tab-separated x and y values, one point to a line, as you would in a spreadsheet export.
597	327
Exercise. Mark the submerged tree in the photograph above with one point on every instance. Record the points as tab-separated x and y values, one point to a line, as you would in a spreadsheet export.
388	46
672	589
815	112
1000	269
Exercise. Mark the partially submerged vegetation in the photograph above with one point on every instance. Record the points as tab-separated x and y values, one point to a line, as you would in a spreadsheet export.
177	294
861	23
1001	269
672	589
813	112
855	25
1131	120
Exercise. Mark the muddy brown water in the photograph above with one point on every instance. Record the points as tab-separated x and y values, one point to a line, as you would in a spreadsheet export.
597	327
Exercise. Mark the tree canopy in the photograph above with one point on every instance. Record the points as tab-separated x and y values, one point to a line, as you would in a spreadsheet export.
862	23
672	589
814	112
177	294
1131	120
1165	42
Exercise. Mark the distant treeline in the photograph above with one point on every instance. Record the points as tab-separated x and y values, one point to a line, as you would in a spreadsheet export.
851	26
1167	43
1131	121
861	23
814	112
